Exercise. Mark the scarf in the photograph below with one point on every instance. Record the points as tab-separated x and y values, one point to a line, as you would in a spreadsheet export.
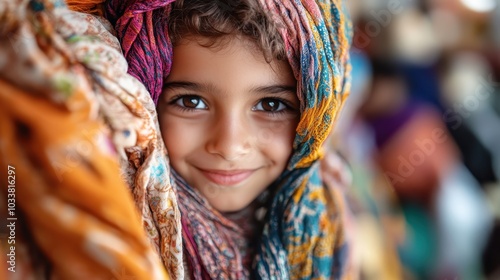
90	189
302	236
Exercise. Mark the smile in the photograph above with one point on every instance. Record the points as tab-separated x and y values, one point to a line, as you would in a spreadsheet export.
227	177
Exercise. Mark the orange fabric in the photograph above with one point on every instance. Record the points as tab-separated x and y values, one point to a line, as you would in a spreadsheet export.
86	6
59	185
75	216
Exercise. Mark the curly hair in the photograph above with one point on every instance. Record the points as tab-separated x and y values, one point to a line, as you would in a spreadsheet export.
215	20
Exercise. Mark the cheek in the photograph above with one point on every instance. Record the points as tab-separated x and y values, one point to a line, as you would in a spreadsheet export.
278	143
178	138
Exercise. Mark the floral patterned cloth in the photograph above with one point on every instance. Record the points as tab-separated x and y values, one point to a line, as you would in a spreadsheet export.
70	115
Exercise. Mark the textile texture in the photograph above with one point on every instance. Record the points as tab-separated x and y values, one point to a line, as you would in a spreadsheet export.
70	115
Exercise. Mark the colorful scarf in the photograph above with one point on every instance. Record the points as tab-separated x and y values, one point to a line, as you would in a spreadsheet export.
69	112
70	70
302	236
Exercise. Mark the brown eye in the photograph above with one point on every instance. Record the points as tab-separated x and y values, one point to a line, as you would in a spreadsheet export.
191	102
270	105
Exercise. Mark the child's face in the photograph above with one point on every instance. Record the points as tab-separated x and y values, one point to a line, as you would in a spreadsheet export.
228	119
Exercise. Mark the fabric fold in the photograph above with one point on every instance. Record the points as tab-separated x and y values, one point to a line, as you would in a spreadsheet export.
77	128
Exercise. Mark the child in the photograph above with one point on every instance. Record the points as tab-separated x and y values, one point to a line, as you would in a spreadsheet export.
251	148
246	105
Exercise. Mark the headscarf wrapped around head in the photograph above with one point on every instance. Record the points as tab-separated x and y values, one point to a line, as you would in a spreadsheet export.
143	35
302	236
317	36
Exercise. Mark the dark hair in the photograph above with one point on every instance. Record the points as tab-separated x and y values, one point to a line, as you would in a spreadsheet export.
215	20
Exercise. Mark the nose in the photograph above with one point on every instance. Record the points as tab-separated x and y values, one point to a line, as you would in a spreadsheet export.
230	137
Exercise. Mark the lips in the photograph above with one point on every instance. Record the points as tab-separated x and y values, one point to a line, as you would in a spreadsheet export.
227	177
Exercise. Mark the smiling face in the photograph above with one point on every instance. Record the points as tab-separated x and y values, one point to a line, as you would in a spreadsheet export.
228	119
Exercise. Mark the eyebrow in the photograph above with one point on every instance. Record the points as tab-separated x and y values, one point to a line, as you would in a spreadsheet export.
207	87
189	86
275	89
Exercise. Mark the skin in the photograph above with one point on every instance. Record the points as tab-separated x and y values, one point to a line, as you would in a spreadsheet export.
228	119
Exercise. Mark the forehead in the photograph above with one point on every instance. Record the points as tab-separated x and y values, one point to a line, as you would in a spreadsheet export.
231	61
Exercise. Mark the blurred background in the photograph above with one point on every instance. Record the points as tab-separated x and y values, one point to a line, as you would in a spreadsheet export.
421	133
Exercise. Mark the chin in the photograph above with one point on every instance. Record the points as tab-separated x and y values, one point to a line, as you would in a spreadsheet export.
226	205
